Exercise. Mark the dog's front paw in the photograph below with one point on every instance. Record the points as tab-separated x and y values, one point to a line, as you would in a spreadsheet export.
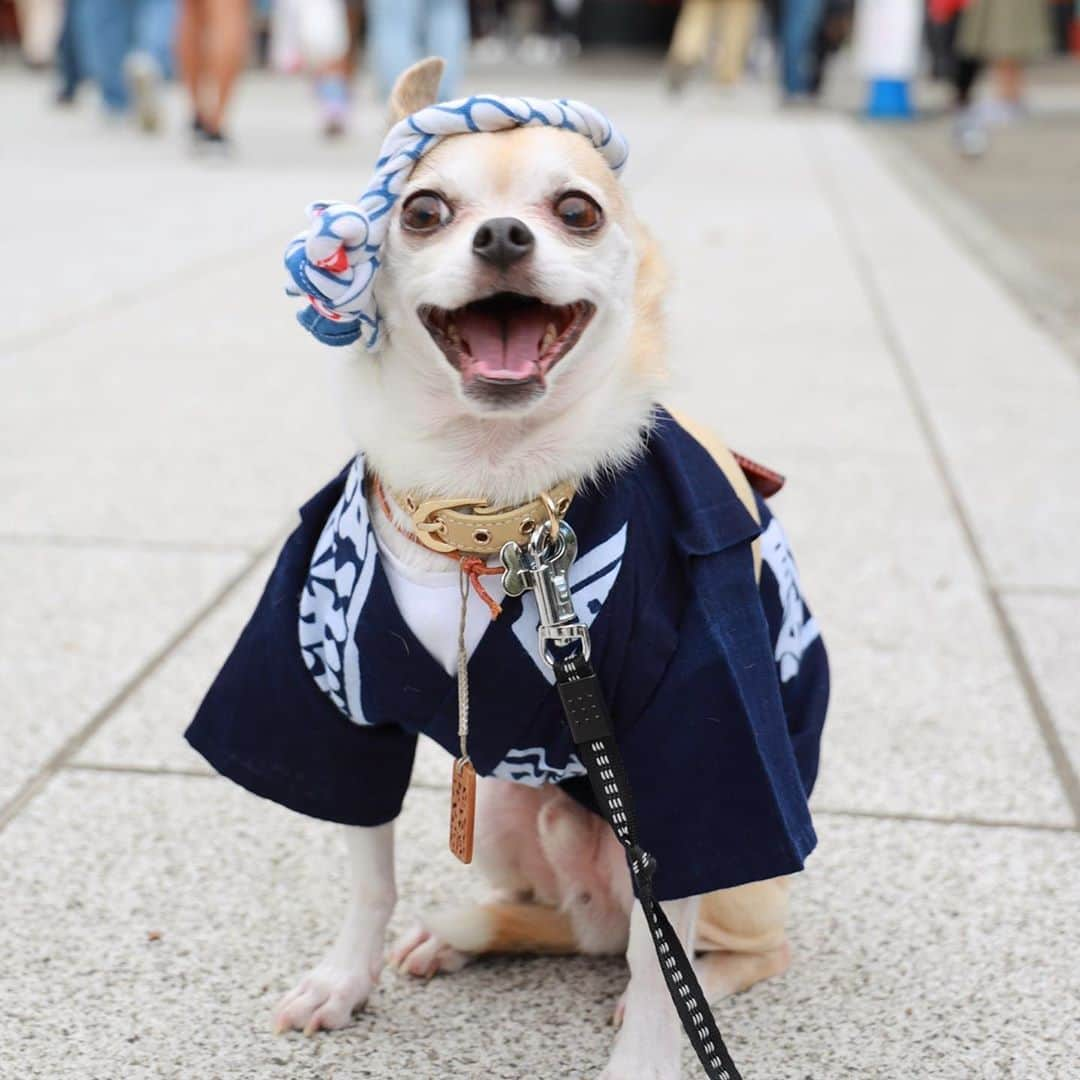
644	1055
324	999
424	954
639	1070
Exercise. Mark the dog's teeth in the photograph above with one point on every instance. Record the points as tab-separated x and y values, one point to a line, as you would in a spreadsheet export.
453	333
550	334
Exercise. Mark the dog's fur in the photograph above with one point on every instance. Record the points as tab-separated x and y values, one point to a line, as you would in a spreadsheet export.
560	882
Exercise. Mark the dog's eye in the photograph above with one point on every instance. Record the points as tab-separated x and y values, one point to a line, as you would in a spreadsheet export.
425	212
578	212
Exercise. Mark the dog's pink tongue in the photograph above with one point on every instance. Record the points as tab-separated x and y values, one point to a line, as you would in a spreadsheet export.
503	348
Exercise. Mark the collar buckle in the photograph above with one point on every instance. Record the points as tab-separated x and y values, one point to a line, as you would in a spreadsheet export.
429	526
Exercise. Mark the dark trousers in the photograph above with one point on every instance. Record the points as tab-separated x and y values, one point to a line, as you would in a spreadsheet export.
960	70
67	57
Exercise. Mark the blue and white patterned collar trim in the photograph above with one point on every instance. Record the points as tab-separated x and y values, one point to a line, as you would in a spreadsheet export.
339	582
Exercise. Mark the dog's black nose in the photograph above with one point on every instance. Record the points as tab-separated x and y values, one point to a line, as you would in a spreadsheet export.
502	241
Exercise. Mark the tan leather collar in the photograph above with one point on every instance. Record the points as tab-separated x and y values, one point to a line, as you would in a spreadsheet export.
470	526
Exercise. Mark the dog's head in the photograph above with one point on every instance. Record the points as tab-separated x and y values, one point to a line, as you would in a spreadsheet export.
511	264
515	280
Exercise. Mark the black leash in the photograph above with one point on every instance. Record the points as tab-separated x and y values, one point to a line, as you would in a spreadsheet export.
542	565
590	727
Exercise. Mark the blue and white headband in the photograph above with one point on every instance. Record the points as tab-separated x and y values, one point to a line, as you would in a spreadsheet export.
334	262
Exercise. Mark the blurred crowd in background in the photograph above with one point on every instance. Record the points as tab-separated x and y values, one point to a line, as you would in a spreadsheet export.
129	48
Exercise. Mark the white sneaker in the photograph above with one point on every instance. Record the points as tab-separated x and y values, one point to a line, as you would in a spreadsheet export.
970	135
143	74
996	113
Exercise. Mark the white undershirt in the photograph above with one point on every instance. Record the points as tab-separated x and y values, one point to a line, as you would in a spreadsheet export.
430	604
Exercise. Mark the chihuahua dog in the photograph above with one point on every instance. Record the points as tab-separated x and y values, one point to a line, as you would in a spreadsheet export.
521	302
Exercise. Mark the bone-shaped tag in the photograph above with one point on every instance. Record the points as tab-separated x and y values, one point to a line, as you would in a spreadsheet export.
524	569
516	569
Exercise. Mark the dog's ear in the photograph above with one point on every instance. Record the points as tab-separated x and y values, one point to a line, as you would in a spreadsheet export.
416	88
649	344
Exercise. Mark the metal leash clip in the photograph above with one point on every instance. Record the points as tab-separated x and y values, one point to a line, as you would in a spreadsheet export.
543	565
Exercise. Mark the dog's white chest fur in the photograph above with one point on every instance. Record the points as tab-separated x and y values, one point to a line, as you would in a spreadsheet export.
430	603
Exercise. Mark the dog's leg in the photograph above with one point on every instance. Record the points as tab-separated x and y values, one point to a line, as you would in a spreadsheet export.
510	857
724	973
328	994
560	885
743	936
649	1041
447	940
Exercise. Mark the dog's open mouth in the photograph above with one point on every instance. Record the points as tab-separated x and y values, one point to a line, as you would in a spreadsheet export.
505	345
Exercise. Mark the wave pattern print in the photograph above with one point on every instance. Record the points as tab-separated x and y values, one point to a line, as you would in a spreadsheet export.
530	767
591	577
797	631
334	261
334	594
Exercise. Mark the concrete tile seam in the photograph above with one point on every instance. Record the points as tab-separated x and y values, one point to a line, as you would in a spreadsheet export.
196	774
931	819
848	231
127	298
1037	590
75	742
428	785
120	543
1046	298
138	770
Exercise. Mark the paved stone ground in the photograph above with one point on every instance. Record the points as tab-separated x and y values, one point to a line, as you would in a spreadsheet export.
160	419
1017	205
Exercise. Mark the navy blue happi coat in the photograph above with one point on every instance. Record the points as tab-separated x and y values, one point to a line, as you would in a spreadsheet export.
717	683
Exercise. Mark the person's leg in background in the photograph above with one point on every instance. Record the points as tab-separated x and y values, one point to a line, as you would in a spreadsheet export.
799	23
969	132
394	35
325	33
103	30
190	50
155	33
212	47
1010	81
690	40
228	25
961	71
1006	34
355	11
68	61
738	21
40	26
332	90
834	29
151	58
447	35
966	72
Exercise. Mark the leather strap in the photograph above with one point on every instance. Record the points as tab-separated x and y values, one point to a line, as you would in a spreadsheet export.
469	525
765	481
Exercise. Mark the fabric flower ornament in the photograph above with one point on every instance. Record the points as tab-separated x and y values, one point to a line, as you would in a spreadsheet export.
334	261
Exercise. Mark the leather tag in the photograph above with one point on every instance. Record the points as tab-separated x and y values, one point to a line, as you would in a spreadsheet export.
463	809
765	481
